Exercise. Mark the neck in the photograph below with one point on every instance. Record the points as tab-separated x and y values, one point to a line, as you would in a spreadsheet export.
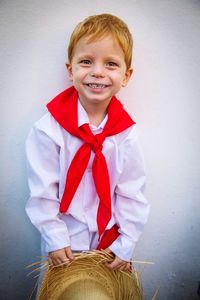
96	119
96	112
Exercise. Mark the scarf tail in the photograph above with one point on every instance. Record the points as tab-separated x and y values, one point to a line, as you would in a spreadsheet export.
74	176
109	237
102	184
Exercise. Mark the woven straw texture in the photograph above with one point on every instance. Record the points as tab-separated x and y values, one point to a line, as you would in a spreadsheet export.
87	278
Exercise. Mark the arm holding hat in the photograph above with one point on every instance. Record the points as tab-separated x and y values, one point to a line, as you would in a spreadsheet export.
131	208
43	205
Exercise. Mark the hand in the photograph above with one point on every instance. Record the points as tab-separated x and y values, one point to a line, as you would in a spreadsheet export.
61	256
118	263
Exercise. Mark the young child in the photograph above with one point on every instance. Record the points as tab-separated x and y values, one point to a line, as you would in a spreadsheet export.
85	163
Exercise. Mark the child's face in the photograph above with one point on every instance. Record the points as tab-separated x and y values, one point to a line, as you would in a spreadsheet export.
98	70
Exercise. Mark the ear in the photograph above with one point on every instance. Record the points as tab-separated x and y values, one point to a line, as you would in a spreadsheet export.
69	70
127	76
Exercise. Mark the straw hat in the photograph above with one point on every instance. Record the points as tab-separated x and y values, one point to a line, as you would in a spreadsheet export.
87	278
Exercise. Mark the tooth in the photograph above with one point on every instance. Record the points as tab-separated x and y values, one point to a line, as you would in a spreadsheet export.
93	85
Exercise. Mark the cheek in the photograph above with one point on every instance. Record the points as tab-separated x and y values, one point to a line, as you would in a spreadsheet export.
79	73
118	78
119	75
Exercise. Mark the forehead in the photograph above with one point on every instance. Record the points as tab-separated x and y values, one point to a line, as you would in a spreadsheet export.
103	46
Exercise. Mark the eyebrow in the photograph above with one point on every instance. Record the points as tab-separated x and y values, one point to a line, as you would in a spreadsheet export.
87	55
84	55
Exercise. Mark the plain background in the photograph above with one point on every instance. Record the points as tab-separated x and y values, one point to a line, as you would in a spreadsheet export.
163	98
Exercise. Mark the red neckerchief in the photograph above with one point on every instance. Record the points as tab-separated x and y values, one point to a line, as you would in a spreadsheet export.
64	109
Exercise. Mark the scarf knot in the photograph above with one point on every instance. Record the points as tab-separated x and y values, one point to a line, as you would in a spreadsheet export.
97	144
96	147
94	141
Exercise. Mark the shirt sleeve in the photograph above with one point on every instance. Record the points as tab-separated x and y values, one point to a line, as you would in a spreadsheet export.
42	155
131	208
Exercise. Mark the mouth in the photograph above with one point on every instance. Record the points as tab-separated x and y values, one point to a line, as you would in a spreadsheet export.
97	85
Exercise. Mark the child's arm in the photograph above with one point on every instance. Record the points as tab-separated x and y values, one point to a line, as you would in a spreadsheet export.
131	209
43	205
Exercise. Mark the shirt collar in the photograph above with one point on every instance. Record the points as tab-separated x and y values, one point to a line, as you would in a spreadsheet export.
83	118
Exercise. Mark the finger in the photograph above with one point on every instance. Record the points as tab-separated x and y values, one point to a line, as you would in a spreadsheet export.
108	250
122	268
62	262
125	267
50	261
69	253
57	261
115	264
54	259
128	267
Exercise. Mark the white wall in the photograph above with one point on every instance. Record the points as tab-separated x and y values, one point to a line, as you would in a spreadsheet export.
163	97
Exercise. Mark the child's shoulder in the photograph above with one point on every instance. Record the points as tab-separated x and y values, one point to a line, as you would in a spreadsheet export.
48	125
130	134
45	122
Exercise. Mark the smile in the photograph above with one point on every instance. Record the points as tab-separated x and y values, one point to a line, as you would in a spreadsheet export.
97	85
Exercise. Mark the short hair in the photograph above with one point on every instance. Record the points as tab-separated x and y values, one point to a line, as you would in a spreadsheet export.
97	27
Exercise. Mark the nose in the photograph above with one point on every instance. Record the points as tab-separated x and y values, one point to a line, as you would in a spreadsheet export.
97	70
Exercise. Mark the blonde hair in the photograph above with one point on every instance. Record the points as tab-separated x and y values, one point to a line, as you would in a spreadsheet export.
97	27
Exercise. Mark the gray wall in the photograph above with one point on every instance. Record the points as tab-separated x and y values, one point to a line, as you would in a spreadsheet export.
163	97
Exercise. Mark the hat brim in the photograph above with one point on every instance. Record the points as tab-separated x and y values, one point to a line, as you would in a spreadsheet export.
87	277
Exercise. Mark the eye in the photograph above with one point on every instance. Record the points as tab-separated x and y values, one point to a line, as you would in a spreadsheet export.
85	62
112	64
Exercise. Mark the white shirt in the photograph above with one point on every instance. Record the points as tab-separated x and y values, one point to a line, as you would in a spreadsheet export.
50	150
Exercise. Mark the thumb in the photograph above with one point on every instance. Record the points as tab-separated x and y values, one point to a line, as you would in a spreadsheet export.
113	264
69	253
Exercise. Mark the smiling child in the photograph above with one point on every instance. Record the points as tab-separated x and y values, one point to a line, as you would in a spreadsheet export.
85	163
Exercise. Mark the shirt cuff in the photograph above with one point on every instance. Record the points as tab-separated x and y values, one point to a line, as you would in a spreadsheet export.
56	240
123	247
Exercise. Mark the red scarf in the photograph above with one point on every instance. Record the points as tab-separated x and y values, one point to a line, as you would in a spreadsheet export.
64	109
